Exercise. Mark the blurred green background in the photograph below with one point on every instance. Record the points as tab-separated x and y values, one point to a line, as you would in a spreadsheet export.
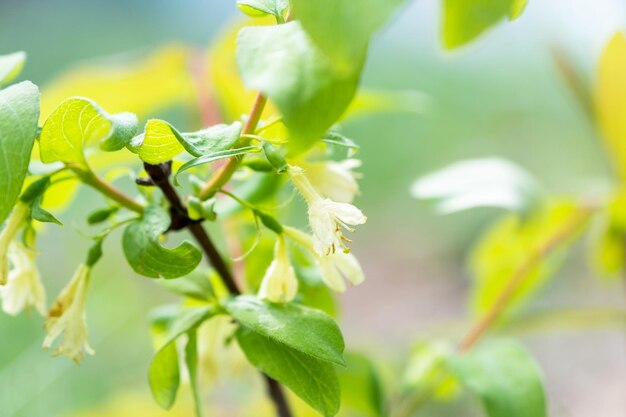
501	96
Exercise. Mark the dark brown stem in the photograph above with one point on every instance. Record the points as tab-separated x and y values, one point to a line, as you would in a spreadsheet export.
277	395
160	176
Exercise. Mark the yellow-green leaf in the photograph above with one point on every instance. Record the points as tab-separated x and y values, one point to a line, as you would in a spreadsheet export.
465	20
611	100
10	66
79	122
139	83
161	141
517	244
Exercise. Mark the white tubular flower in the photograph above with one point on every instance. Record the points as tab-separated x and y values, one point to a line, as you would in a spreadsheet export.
279	283
336	268
326	217
334	180
66	318
13	225
24	288
340	266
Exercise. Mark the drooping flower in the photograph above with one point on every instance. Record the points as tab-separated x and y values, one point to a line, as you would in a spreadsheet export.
23	288
13	225
339	267
66	318
279	283
327	218
336	268
334	180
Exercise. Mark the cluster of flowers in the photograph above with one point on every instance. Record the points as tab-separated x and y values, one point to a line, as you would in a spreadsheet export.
21	288
328	189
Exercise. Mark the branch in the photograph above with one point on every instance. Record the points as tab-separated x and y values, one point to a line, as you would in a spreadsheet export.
91	179
519	275
227	170
160	177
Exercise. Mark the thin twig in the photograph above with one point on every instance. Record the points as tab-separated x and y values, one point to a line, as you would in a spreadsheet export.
160	176
227	170
519	275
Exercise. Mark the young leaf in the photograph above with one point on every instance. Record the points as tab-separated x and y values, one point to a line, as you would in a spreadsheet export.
79	122
518	245
361	388
342	28
101	215
256	8
282	62
210	157
464	20
161	141
191	361
489	182
164	374
10	66
145	254
312	380
19	113
33	197
610	100
505	378
301	328
144	83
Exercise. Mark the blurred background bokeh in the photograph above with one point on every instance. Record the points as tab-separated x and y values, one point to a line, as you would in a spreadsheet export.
501	96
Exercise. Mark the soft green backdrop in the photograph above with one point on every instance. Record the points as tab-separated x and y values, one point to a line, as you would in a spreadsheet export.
500	96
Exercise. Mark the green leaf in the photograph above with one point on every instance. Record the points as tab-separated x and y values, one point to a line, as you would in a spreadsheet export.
505	378
79	122
275	156
19	113
191	361
342	28
361	388
282	62
161	141
196	285
33	197
211	157
10	66
256	8
312	380
516	244
164	376
304	329
164	373
489	182
101	215
427	372
465	20
144	253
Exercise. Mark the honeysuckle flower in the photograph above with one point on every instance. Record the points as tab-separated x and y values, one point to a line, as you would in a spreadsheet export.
336	268
279	283
13	225
327	218
23	288
334	180
66	318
